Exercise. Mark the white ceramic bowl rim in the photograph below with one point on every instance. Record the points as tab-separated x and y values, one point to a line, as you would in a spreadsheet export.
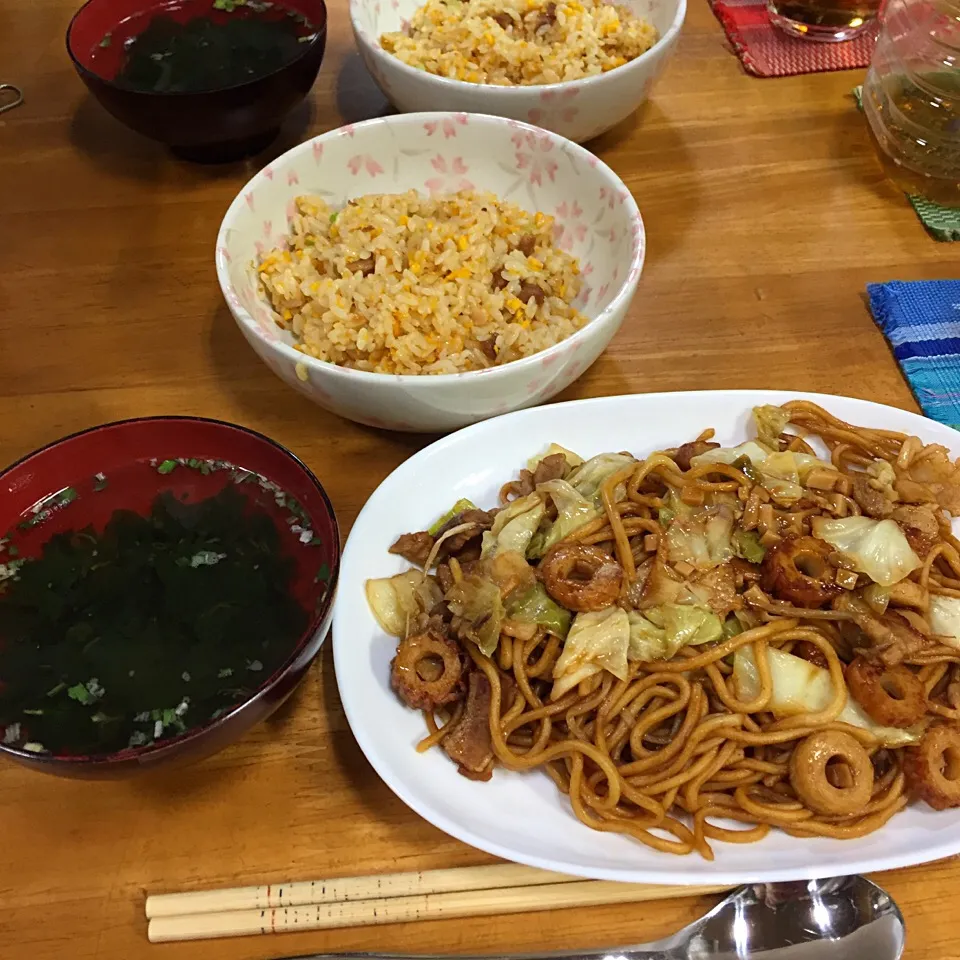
513	90
624	293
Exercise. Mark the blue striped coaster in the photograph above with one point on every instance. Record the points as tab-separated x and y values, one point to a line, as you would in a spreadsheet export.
921	319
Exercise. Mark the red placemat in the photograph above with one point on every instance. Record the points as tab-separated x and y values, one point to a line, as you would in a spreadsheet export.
765	51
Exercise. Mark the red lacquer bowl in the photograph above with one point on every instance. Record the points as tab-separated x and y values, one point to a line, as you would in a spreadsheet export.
113	449
212	126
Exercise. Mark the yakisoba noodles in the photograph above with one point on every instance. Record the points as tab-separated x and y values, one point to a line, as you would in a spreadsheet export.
704	644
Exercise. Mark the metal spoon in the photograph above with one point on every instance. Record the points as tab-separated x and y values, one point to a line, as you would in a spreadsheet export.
844	918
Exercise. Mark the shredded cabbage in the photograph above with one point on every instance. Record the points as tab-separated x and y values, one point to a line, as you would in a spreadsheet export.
572	459
702	540
667	628
456	509
597	641
686	624
877	548
756	453
802	687
514	526
783	473
476	600
806	464
510	571
647	640
394	600
535	606
877	598
661	586
883	473
944	617
770	422
589	477
573	510
781	476
714	590
780	472
731	627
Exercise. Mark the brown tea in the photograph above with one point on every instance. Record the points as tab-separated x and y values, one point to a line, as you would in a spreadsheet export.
827	20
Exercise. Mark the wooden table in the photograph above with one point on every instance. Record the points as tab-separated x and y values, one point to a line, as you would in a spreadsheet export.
766	214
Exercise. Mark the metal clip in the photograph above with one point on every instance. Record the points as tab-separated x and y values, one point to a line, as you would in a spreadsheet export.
17	97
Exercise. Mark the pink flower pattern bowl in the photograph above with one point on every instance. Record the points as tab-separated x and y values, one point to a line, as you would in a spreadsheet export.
578	109
596	219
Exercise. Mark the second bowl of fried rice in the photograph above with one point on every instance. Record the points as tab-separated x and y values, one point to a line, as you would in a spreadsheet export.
424	271
575	67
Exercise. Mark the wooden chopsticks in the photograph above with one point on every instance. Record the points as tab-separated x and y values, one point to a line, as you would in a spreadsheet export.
387	898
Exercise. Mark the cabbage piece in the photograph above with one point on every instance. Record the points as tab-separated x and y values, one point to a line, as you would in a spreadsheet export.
877	598
770	422
731	627
510	571
944	616
886	477
783	473
686	625
714	590
476	600
589	477
573	510
755	452
573	460
781	476
747	545
702	540
666	516
456	509
393	600
806	464
536	606
597	641
780	472
667	628
802	687
514	526
674	508
877	548
661	586
647	640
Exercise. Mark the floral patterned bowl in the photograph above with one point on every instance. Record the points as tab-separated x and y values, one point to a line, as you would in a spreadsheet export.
577	109
596	220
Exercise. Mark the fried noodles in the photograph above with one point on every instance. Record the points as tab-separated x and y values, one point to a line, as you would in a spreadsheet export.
704	644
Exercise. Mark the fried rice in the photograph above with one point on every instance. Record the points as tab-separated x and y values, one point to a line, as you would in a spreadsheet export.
408	284
520	42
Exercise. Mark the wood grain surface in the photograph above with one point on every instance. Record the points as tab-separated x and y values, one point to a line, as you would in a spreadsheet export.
766	214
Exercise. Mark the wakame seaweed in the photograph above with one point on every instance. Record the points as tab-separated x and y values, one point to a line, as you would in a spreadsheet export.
207	53
155	625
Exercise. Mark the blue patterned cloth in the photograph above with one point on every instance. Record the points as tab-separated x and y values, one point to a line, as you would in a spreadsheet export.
921	319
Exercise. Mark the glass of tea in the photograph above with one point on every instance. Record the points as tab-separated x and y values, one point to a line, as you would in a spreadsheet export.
829	21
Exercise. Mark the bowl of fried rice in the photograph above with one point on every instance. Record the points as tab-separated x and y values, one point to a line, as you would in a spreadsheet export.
575	67
421	272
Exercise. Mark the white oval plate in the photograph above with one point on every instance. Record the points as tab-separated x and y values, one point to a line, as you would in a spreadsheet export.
523	817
